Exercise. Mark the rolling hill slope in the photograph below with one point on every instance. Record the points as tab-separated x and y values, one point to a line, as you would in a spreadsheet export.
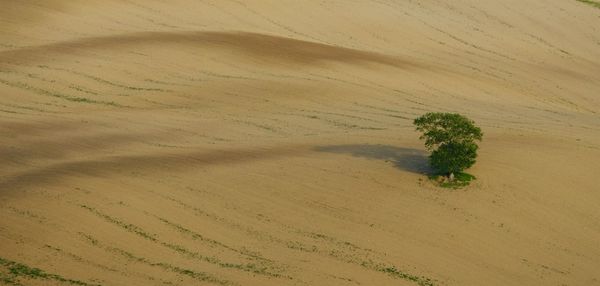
271	142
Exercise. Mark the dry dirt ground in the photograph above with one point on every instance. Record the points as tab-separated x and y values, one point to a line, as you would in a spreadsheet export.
268	142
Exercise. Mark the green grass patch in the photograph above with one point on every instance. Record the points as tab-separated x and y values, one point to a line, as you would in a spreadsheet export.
460	180
591	2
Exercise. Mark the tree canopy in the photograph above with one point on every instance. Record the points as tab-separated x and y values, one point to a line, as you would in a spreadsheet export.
451	138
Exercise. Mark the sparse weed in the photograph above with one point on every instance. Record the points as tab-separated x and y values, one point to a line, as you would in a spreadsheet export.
392	271
100	80
57	95
201	276
18	270
461	179
591	2
178	248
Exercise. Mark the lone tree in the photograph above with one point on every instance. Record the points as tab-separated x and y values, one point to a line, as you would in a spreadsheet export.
451	138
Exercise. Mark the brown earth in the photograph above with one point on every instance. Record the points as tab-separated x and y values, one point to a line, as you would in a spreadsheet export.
271	142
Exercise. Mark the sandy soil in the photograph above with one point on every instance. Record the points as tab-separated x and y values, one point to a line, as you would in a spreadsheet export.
271	142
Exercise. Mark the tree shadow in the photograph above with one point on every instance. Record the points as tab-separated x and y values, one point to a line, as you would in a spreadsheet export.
407	159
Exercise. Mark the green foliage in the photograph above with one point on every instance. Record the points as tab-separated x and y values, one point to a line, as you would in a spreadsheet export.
451	138
453	157
442	128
